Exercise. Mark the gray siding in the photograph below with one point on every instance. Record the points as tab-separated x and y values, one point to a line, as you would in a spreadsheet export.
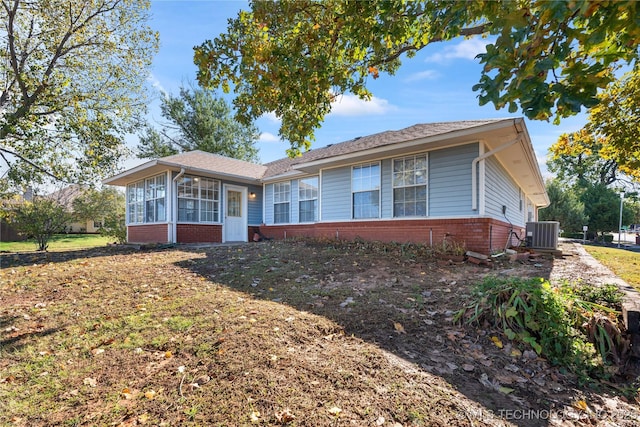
449	190
268	203
336	194
387	189
255	205
501	190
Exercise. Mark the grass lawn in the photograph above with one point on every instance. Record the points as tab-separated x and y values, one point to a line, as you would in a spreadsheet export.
59	242
625	264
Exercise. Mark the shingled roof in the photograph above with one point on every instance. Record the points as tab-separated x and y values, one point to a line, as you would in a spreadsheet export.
214	162
419	131
217	165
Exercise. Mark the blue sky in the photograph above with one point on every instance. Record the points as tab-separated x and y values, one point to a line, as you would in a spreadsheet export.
433	86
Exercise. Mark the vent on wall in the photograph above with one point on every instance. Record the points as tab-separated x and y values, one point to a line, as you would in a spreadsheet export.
543	234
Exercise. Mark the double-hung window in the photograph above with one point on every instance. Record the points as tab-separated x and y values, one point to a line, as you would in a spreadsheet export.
365	188
410	186
198	199
146	200
308	199
281	202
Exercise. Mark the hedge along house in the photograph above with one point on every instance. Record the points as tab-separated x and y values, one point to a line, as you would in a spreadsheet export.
467	181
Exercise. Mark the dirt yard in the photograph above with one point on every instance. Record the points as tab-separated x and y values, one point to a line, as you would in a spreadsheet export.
300	333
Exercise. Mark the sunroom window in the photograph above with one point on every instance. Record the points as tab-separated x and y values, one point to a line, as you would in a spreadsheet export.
146	200
198	199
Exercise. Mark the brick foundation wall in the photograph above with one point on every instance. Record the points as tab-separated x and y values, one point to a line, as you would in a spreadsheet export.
148	233
478	234
199	233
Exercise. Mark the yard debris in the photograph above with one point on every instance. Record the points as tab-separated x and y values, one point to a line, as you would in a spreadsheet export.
399	328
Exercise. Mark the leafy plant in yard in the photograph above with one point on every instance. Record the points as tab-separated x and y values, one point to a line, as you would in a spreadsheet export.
107	206
40	219
568	324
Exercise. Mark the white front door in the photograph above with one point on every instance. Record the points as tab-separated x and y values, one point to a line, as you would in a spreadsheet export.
235	214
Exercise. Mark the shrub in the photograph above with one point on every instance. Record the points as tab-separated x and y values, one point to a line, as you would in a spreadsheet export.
40	219
568	324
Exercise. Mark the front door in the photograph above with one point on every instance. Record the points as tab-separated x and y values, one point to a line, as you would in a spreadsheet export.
235	214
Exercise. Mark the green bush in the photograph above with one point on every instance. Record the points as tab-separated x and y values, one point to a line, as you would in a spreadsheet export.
569	325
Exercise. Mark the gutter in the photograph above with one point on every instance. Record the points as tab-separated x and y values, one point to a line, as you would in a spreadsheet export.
173	224
474	168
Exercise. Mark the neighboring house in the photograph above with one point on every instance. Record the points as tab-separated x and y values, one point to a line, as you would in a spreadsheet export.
65	197
467	181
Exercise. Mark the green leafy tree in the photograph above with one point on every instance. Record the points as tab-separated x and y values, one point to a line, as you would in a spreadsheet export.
615	120
607	149
565	207
576	159
72	78
39	219
107	206
198	120
294	57
602	206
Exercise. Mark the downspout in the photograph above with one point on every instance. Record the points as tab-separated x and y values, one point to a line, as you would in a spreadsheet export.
174	207
474	168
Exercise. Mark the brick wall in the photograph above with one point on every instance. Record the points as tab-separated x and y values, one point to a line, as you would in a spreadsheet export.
199	233
148	233
477	234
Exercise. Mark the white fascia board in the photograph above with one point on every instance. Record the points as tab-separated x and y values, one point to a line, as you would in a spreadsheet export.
211	173
133	171
285	176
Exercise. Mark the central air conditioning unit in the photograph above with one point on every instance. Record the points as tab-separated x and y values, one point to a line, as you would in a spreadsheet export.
543	235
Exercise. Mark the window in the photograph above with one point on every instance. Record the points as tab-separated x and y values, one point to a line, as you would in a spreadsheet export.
146	200
365	187
410	186
308	199
198	199
281	200
234	203
154	199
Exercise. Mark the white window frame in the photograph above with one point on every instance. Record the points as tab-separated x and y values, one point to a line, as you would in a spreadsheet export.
396	184
308	195
282	197
196	194
140	193
155	194
357	189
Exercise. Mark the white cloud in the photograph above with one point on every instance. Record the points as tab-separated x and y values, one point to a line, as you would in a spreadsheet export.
351	105
269	137
422	75
155	83
272	117
466	49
